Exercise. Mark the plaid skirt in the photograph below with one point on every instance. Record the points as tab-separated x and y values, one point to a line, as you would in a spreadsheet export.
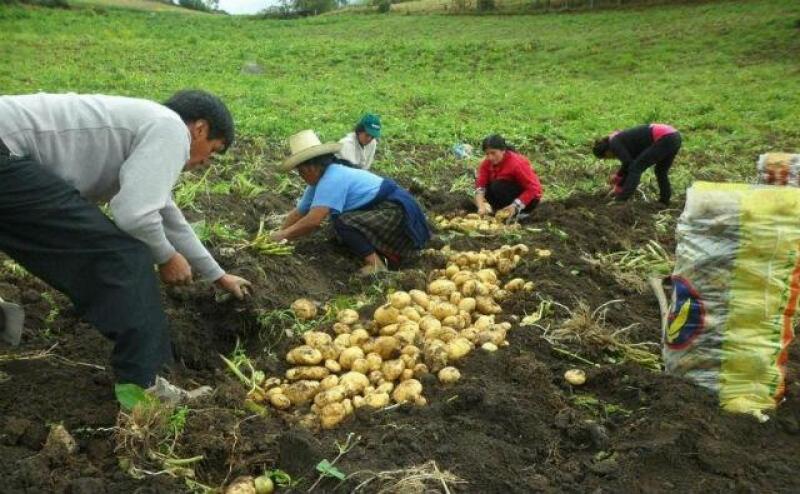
384	225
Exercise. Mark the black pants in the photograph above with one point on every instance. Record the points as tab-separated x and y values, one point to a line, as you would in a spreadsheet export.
357	242
501	193
53	232
661	154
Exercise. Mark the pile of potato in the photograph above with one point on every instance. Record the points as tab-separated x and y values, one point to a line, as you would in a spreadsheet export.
503	260
475	223
414	333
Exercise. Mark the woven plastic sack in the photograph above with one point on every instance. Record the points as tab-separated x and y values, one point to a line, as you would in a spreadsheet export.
735	292
779	169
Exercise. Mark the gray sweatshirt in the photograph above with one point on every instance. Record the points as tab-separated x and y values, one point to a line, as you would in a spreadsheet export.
124	151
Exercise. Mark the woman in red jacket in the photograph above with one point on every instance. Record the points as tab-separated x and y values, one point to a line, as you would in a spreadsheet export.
506	180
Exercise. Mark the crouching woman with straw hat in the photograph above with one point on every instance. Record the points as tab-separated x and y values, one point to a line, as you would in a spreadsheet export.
372	215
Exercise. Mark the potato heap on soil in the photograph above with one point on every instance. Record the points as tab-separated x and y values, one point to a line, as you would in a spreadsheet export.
380	362
475	223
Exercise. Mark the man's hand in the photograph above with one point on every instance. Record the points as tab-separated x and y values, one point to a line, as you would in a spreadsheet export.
484	209
176	271
235	285
277	236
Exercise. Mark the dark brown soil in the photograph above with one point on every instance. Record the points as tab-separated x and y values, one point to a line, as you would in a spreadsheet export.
511	425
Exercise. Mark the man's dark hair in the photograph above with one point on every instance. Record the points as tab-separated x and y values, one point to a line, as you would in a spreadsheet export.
601	147
496	141
193	105
360	128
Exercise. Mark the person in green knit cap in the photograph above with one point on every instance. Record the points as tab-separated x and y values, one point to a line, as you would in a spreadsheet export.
358	147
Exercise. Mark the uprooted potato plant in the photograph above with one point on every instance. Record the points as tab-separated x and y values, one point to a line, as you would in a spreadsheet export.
146	439
380	362
589	329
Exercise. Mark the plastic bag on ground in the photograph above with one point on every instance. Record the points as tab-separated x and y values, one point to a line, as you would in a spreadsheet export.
735	292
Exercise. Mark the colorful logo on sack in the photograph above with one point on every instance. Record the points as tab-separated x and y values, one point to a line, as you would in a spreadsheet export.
687	317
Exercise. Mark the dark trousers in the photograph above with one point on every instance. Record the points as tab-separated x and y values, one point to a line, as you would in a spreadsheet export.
352	237
54	233
501	193
661	154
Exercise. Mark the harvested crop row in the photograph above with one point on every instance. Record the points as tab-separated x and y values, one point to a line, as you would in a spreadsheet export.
381	361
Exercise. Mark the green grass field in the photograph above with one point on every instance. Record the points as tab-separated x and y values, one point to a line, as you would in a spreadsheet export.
726	74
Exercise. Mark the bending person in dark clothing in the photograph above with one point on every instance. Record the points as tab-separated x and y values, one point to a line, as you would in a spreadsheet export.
506	180
639	148
372	215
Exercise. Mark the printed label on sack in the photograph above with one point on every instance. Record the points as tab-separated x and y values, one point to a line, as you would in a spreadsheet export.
687	318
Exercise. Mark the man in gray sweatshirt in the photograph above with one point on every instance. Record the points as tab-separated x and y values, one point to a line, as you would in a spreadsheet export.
60	155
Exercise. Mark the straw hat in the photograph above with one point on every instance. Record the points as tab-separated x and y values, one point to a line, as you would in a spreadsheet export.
306	145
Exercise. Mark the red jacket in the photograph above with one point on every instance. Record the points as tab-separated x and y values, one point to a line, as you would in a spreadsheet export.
513	167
